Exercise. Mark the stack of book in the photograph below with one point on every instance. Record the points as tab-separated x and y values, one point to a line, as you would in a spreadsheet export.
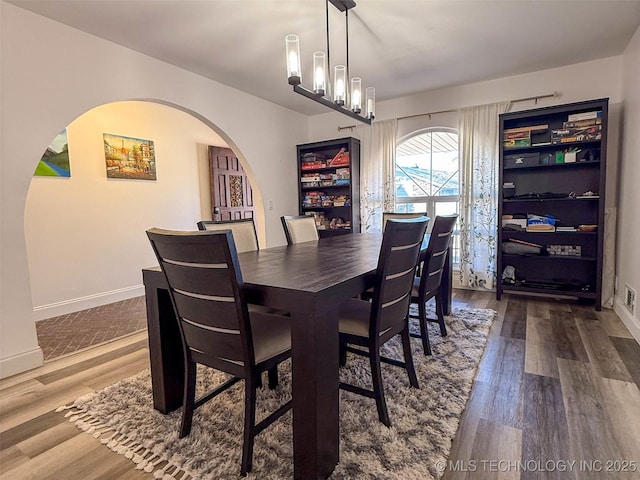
521	137
579	127
313	199
540	223
311	161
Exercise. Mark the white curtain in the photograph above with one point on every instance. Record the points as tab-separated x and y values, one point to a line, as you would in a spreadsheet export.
377	167
478	134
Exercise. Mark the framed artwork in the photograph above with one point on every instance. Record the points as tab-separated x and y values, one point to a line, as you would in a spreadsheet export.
128	157
55	160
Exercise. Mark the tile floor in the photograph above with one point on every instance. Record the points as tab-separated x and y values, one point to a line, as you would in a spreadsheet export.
76	331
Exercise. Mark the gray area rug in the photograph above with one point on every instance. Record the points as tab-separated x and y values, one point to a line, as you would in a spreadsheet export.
424	420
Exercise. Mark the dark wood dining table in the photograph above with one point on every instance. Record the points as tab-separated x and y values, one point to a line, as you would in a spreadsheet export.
310	280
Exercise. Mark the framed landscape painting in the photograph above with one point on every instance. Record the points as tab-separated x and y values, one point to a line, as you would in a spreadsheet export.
128	157
55	159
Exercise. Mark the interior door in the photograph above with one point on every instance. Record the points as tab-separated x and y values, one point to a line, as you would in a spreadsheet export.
231	194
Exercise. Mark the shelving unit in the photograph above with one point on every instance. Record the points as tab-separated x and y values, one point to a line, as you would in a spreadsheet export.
549	159
328	184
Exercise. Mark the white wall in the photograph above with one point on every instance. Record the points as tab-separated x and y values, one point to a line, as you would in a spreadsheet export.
50	75
85	234
628	264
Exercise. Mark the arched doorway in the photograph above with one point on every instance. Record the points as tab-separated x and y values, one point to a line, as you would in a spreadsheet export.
85	234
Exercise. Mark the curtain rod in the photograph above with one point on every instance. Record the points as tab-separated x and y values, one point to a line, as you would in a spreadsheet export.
517	100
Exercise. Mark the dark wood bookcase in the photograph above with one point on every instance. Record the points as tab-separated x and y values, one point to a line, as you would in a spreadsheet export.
552	165
330	191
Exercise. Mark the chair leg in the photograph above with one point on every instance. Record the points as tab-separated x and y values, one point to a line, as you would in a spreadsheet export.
343	354
378	389
424	332
273	377
440	313
188	398
249	425
408	358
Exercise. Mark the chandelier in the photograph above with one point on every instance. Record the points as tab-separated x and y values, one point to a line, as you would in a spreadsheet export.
347	101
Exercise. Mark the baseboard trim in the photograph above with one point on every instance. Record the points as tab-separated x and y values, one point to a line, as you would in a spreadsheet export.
82	303
629	320
21	363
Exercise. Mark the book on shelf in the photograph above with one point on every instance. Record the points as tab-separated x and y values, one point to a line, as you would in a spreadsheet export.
582	123
540	223
515	135
517	143
530	128
584	115
309	177
541	228
311	165
531	244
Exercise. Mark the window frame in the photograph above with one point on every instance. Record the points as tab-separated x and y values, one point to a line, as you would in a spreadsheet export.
431	200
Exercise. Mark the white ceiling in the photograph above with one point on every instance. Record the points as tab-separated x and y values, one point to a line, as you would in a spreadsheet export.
399	46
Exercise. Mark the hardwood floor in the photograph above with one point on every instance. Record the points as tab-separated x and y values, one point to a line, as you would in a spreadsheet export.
558	383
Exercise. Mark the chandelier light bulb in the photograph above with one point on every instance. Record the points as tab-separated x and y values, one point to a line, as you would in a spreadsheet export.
340	75
319	69
294	72
356	94
371	102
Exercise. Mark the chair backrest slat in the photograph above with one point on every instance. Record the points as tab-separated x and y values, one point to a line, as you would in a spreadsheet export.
400	216
205	285
244	232
397	263
299	229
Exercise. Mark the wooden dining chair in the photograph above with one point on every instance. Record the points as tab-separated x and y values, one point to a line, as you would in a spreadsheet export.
372	324
367	295
400	215
299	229
244	232
246	240
216	327
427	285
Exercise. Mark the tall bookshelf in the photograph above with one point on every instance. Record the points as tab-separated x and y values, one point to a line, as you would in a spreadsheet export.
328	184
551	201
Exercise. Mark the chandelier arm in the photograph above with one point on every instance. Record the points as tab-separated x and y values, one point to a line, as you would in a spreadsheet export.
328	103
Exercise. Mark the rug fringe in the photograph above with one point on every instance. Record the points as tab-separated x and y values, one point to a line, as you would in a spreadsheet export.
120	443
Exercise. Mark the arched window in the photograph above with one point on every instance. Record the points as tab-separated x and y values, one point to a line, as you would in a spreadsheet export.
427	175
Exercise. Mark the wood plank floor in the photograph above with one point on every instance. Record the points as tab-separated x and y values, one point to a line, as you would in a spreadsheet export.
558	383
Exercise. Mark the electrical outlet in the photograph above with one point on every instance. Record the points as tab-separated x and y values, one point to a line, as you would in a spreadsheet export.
630	299
270	204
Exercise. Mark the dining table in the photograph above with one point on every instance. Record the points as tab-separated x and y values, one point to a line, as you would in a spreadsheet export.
310	280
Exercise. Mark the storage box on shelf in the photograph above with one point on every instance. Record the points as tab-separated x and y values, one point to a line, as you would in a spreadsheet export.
328	177
551	188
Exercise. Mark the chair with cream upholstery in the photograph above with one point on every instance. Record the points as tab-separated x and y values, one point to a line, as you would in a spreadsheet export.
372	324
427	285
299	229
216	327
246	240
244	232
400	215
